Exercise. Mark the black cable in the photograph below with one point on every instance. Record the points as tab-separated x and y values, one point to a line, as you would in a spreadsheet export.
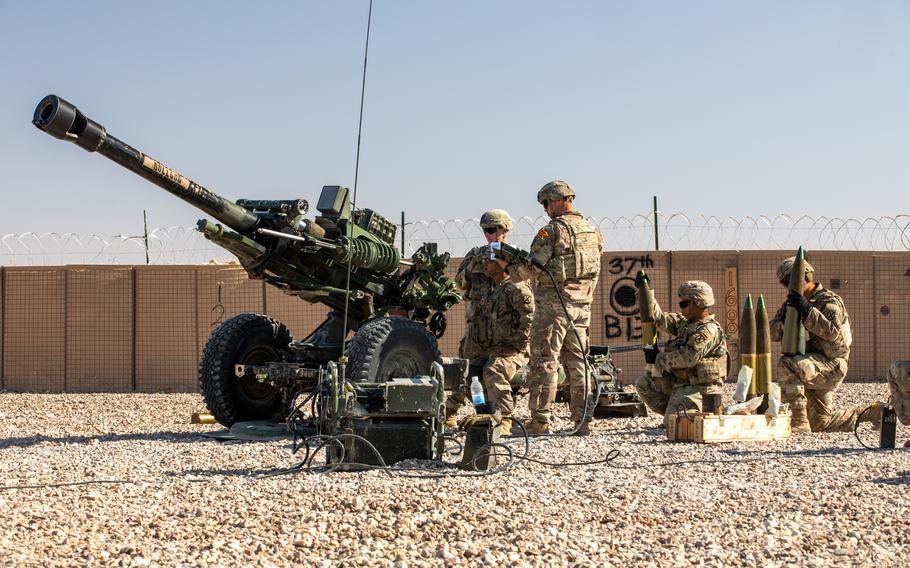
856	429
611	455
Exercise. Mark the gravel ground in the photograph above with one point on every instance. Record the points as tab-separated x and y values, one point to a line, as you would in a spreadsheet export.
157	493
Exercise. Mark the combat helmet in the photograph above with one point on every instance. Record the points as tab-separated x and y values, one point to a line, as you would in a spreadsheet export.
556	189
698	291
786	267
496	218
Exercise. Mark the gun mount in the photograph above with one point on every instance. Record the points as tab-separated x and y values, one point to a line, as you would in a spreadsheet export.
344	258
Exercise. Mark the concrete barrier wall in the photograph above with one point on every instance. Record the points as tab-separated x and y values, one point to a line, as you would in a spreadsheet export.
142	328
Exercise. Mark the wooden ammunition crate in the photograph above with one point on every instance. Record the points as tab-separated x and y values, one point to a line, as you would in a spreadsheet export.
712	428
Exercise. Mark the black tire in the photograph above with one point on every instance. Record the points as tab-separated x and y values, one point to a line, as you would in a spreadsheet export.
250	339
391	347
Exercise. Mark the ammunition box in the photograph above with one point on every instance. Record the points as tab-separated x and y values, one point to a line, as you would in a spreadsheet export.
411	396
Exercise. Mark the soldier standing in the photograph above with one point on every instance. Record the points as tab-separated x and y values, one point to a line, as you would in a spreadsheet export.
899	385
808	381
694	363
569	247
502	335
474	282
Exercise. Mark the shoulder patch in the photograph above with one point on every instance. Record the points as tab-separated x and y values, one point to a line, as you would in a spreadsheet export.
543	233
699	337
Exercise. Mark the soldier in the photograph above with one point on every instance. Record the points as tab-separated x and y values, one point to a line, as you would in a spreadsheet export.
694	363
503	337
899	384
569	247
474	282
808	381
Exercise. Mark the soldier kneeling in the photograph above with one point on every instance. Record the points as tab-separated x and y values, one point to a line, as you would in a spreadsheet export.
694	363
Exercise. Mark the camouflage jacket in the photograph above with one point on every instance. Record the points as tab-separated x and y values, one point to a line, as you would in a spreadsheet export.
475	285
697	353
570	247
509	309
828	325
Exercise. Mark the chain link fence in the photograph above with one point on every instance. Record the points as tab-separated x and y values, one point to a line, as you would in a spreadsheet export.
675	232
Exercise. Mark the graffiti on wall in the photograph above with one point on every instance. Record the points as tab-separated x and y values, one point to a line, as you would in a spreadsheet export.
731	311
621	320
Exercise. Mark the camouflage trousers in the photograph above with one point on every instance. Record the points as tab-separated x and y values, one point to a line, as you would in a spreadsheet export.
497	371
552	341
807	383
899	383
664	395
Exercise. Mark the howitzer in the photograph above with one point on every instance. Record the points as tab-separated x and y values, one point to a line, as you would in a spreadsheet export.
344	258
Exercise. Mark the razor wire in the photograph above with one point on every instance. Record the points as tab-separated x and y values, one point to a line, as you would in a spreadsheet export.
676	231
679	231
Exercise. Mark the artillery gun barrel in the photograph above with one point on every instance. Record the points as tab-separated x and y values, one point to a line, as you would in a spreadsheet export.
63	120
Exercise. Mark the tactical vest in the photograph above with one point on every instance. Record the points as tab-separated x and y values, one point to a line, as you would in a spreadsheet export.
472	344
579	257
840	347
506	309
712	368
481	284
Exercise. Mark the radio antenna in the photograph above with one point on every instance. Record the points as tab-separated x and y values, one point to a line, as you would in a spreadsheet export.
363	88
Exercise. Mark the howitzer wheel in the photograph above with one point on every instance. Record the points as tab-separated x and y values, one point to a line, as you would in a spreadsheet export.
391	347
251	339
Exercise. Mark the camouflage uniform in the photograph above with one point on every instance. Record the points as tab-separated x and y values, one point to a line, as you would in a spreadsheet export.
570	247
808	381
475	285
899	383
503	337
693	364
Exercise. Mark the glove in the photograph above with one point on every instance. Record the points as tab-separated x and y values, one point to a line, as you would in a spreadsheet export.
799	302
641	278
651	352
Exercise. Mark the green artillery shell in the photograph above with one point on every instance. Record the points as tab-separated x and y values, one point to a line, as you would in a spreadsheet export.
762	349
747	341
790	343
646	312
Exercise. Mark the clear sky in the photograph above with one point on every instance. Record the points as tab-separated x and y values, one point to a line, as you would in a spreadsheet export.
718	107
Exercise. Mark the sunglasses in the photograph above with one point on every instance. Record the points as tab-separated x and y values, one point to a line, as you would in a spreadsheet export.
490	230
683	304
545	203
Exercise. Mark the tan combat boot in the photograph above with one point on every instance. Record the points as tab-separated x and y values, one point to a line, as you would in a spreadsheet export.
582	428
505	427
536	427
799	420
870	413
451	422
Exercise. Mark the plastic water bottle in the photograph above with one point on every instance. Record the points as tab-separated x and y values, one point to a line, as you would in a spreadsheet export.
477	392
